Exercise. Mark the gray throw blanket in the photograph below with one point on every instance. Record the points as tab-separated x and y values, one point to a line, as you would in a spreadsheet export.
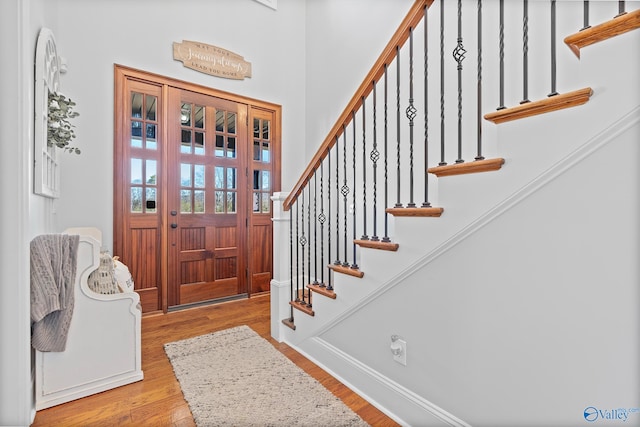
53	273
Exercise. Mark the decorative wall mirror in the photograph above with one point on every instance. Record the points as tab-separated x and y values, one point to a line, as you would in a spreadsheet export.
47	80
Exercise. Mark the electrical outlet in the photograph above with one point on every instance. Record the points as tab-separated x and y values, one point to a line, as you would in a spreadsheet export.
402	357
399	350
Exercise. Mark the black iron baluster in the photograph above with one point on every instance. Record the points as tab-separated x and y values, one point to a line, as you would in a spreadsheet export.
345	193
621	8
374	156
386	160
553	49
585	15
411	114
364	173
303	243
398	204
337	261
525	52
315	227
442	151
321	219
329	278
353	121
297	251
479	95
426	203
309	233
458	55
501	41
291	263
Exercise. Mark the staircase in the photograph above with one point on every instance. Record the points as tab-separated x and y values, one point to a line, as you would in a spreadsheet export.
493	251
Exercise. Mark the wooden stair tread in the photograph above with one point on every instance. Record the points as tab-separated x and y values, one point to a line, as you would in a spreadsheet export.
304	307
288	322
547	105
423	212
611	28
377	244
322	290
346	270
477	166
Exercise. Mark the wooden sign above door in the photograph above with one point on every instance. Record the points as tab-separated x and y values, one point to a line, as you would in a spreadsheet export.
212	60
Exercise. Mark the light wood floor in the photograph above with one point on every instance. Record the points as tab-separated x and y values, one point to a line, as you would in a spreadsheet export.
157	400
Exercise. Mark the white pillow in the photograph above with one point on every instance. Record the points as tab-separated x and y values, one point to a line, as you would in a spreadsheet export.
123	276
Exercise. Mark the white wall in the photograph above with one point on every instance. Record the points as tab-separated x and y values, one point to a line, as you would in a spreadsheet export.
530	319
344	39
14	189
24	215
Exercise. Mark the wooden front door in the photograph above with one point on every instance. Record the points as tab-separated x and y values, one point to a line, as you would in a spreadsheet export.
194	170
207	197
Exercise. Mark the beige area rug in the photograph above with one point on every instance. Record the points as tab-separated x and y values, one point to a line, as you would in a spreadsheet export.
235	377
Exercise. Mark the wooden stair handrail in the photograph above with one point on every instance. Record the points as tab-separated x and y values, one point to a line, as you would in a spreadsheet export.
415	15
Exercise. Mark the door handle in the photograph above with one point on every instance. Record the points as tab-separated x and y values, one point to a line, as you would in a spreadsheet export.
174	225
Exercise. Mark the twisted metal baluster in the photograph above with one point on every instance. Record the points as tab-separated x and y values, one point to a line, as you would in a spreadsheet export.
479	95
386	162
458	55
411	114
525	53
585	15
398	204
321	219
501	37
374	156
553	49
345	193
426	203
442	151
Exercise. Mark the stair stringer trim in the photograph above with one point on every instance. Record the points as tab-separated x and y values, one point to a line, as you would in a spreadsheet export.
419	407
593	144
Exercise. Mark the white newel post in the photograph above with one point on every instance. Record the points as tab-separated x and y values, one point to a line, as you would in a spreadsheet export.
281	282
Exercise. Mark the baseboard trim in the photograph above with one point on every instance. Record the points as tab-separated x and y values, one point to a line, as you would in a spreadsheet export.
414	406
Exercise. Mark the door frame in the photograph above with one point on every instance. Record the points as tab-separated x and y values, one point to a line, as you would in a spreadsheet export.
123	75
